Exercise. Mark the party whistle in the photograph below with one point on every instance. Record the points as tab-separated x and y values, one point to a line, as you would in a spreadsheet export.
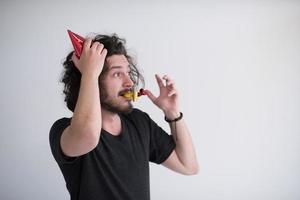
133	95
77	42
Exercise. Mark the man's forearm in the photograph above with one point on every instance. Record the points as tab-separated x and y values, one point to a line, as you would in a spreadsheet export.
184	145
87	113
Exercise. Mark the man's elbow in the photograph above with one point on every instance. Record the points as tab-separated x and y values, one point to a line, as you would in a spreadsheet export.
192	170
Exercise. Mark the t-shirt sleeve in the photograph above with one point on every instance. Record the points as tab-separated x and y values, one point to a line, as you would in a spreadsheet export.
54	137
161	143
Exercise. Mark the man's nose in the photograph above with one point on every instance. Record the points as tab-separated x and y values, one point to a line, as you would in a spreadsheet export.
128	82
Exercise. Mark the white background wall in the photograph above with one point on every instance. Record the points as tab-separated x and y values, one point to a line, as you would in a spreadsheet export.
236	65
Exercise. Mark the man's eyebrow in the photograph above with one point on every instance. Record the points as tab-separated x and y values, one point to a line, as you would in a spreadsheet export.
117	67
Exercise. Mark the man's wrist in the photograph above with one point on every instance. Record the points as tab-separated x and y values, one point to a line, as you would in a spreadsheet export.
86	77
172	114
174	120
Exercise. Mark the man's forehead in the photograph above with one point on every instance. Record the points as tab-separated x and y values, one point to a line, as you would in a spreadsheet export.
117	61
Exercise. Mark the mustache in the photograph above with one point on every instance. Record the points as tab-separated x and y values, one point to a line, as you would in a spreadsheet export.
121	93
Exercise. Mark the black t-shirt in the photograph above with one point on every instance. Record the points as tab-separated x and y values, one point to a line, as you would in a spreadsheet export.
118	168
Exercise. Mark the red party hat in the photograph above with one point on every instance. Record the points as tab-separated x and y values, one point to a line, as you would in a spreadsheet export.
77	42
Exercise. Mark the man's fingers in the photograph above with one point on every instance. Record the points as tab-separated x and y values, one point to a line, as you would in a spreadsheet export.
159	81
169	81
100	47
87	44
104	53
170	85
172	92
75	59
150	95
95	46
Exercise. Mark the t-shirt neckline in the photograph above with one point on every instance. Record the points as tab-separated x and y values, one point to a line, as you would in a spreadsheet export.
123	130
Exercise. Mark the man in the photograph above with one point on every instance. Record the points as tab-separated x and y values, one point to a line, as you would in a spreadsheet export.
104	150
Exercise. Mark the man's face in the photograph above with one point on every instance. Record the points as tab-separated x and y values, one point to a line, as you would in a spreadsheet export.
114	83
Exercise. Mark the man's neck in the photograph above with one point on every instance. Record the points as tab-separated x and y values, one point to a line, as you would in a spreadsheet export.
111	122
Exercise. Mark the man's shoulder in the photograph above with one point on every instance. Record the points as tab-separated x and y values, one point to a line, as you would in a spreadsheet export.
62	121
137	112
137	115
59	124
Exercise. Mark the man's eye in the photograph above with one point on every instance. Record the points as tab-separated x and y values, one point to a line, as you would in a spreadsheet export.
117	74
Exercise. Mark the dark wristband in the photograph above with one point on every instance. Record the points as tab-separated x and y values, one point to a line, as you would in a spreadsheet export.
174	120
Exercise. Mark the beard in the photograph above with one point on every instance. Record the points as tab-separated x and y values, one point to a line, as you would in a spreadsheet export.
112	104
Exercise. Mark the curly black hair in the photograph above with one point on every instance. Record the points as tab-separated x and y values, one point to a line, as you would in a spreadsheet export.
71	76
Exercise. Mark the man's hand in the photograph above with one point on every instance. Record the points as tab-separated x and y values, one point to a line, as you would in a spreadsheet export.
183	159
167	100
92	58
